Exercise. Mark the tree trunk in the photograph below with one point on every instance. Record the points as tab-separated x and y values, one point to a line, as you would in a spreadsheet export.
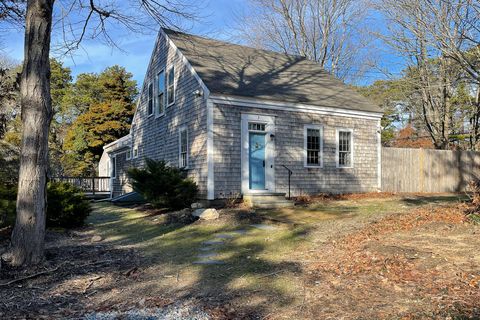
28	236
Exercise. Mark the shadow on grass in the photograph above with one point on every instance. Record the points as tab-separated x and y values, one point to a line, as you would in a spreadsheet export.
259	272
433	199
255	269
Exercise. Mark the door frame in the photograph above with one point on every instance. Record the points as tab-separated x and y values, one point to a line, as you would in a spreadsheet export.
269	152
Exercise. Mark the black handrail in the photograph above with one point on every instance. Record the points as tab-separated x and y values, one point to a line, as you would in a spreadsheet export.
290	172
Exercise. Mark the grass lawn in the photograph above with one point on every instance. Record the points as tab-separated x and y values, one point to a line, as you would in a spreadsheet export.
290	270
374	256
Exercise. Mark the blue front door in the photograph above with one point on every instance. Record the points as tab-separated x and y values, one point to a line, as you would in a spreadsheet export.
256	160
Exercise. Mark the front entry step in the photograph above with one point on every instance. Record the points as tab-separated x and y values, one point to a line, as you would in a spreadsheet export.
268	200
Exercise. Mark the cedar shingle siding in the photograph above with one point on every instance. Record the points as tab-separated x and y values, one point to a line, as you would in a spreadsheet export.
220	66
289	142
158	137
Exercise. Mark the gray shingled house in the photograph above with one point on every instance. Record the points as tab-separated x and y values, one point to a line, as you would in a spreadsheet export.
236	118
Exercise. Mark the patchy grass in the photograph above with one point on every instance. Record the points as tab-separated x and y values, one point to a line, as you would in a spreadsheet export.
351	206
264	270
172	249
357	257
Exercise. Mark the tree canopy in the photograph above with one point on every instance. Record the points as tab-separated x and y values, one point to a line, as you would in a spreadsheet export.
106	107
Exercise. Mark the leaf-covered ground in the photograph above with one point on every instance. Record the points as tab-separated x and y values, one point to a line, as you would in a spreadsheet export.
356	257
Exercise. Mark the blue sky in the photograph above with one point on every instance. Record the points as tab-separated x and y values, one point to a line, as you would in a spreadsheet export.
217	18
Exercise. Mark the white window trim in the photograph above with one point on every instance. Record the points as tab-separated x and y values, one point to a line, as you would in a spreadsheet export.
157	114
337	157
305	158
135	148
129	154
168	85
180	130
153	99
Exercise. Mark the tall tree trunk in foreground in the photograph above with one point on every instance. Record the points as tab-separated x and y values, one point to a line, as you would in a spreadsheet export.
29	233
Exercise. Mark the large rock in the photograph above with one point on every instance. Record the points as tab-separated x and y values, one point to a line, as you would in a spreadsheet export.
206	214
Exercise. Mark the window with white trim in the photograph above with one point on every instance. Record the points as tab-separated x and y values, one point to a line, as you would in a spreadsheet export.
160	98
129	154
344	148
183	148
313	146
135	152
171	86
114	167
150	99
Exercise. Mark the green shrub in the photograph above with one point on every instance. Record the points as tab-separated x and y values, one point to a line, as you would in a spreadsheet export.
66	206
163	186
8	196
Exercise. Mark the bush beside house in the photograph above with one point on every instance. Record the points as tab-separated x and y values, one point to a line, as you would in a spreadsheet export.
163	186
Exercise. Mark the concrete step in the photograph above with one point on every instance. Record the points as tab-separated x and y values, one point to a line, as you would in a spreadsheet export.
263	196
268	200
274	205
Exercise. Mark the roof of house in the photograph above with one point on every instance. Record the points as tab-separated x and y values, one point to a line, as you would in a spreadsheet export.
235	70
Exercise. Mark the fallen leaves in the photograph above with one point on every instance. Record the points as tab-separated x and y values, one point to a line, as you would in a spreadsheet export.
400	270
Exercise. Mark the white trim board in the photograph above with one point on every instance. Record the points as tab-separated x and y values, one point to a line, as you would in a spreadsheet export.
379	155
294	107
210	153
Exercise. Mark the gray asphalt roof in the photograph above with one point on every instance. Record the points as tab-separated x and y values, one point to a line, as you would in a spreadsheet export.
236	70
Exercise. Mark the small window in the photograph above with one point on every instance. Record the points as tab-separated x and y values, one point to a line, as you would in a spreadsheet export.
344	149
150	99
135	151
129	154
160	99
313	146
114	167
171	86
183	148
254	126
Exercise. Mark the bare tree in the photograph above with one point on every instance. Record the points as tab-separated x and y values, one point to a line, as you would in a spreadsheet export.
76	20
327	31
432	37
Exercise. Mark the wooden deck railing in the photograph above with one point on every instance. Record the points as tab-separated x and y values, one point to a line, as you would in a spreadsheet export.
89	185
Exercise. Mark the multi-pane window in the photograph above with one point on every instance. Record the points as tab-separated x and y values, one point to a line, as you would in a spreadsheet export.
313	146
183	148
150	99
171	86
160	101
344	148
255	126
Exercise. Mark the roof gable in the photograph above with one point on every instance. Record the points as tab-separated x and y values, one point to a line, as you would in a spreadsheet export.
235	70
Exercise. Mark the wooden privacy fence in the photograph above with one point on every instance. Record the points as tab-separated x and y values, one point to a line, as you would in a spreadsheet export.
425	170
